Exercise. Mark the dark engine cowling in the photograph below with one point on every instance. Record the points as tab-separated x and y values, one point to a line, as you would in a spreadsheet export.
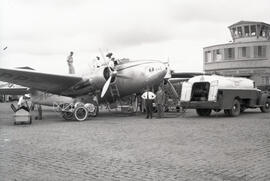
107	72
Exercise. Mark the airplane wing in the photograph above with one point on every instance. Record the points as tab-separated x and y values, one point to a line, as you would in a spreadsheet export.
51	83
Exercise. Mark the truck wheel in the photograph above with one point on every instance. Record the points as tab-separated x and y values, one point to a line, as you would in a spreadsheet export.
235	111
204	112
266	106
80	113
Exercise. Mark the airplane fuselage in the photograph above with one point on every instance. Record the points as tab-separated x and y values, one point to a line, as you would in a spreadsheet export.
132	78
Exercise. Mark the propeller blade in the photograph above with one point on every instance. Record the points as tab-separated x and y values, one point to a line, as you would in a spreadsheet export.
106	86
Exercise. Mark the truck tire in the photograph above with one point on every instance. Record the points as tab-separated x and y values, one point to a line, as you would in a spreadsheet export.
266	107
235	110
204	112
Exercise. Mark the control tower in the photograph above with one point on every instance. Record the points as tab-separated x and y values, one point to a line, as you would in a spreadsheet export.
247	55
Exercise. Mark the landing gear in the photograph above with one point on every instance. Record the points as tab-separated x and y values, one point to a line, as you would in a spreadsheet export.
67	115
78	111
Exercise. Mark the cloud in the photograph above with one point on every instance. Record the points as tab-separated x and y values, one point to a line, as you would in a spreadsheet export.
219	11
45	31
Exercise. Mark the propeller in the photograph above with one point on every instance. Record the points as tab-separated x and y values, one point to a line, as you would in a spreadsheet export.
106	86
113	74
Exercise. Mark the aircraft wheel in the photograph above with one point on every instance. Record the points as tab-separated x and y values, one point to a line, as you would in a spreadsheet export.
235	111
266	107
80	113
204	112
67	115
96	109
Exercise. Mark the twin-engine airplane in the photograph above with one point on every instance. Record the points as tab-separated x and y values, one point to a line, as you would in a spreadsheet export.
78	96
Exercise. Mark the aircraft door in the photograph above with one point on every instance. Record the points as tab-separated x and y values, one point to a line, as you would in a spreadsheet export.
186	91
213	91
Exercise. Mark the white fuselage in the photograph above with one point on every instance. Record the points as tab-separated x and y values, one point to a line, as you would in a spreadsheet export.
132	77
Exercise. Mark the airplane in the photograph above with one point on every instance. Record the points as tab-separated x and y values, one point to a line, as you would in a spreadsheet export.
78	96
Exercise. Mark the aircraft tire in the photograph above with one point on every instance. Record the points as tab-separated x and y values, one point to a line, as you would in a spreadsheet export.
68	115
80	113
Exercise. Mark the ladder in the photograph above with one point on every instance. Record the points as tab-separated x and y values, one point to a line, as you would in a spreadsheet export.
114	91
171	90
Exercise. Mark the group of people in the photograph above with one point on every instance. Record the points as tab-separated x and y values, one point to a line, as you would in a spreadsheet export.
111	63
149	98
25	103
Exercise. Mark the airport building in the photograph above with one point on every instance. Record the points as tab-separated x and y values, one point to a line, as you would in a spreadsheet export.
248	55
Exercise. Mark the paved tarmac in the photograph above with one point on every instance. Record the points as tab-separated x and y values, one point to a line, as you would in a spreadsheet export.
116	146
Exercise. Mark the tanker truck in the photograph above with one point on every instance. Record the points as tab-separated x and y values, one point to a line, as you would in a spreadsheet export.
207	93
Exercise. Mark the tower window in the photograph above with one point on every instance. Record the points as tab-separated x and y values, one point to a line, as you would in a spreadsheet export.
229	53
246	30
207	56
253	30
217	55
243	52
259	51
239	31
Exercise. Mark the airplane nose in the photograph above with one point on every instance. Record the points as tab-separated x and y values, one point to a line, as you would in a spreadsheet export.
157	76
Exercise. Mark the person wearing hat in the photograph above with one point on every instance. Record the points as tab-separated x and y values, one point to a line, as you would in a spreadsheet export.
23	102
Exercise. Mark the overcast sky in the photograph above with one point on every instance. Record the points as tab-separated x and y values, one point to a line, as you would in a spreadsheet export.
41	33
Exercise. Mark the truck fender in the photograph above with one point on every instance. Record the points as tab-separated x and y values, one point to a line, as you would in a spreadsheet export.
263	98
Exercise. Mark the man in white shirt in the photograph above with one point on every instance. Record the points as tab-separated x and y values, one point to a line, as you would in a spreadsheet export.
23	102
148	96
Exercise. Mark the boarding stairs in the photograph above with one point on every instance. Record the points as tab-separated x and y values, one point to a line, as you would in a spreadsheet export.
172	100
170	90
114	91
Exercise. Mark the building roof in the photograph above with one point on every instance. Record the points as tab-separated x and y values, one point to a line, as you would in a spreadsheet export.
248	22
